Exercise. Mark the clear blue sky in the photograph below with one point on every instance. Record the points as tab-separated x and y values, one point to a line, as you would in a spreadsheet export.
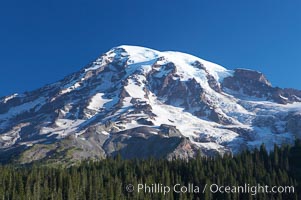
42	41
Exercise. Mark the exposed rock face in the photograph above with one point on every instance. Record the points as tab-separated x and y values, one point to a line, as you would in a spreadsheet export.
141	143
169	131
140	103
255	84
249	82
184	150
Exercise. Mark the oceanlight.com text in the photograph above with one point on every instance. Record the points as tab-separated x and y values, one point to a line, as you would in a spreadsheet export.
213	188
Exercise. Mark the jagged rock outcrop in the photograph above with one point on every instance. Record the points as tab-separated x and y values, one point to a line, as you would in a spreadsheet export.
255	84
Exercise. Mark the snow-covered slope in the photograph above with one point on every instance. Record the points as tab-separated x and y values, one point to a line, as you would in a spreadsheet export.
142	102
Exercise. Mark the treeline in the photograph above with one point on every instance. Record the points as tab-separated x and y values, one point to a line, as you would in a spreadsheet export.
108	179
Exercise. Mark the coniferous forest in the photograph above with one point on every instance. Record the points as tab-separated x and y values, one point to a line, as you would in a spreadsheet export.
109	178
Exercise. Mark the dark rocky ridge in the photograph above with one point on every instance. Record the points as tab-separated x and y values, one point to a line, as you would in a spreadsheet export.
255	84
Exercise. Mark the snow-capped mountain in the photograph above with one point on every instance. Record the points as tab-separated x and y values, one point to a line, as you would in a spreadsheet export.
141	102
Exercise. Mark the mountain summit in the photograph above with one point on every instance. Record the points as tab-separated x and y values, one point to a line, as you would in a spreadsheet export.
141	102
